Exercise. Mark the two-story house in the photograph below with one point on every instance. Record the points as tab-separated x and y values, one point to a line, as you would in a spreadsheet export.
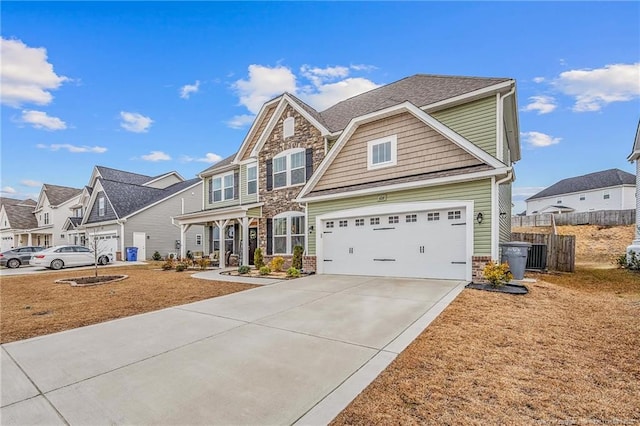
612	189
51	212
16	219
120	209
409	179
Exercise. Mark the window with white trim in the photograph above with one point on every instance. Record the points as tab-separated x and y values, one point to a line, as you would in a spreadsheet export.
433	216
559	201
359	222
374	221
328	224
288	232
198	239
393	219
455	214
343	223
288	127
382	152
221	188
46	218
583	197
289	168
411	218
101	206
252	179
606	195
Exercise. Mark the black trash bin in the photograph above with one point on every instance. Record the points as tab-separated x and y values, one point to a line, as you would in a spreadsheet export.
132	254
515	254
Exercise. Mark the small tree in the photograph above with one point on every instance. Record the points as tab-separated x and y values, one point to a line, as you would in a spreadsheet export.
258	260
95	246
296	261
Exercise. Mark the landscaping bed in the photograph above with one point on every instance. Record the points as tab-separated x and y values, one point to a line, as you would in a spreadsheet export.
566	353
34	305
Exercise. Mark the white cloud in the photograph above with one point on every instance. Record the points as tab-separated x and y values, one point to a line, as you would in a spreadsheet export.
25	74
209	157
188	89
156	156
73	148
363	67
135	122
541	104
538	79
40	120
8	190
239	121
593	89
330	94
263	84
31	183
324	87
539	140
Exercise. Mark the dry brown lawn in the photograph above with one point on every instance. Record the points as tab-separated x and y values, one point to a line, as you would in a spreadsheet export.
566	353
33	305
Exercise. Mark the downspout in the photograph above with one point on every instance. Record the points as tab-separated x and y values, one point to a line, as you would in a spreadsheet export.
495	218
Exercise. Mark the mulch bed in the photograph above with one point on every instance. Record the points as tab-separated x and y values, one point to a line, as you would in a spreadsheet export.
88	281
516	289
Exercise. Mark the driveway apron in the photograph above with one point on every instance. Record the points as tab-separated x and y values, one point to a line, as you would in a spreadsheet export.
294	351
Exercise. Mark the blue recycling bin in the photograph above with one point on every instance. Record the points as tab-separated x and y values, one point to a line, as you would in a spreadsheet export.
132	254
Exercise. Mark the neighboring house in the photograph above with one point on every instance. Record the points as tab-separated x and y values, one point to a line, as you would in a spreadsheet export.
51	212
635	156
611	189
16	218
409	179
122	209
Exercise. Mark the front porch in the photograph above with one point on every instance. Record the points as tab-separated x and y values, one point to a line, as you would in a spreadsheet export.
229	232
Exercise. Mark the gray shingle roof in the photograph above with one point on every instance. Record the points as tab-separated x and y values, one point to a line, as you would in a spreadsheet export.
597	180
419	89
122	176
59	194
128	198
315	114
13	201
220	164
20	215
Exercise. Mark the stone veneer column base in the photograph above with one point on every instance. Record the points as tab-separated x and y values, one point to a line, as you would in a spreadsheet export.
477	265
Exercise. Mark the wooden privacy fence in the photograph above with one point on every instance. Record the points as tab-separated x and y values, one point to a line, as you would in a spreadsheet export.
561	249
600	217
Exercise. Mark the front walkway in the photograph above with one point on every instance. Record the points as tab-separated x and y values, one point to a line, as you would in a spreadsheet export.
293	352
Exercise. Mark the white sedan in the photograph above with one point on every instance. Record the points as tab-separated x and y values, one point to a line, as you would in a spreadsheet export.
63	256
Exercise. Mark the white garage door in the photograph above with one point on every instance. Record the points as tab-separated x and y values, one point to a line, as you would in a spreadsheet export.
419	244
108	243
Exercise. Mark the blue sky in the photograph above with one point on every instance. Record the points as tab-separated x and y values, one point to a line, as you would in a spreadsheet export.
152	87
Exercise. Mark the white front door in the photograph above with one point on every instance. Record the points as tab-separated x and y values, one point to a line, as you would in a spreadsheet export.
140	241
419	244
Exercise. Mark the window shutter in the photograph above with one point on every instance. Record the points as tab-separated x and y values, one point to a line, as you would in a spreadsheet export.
236	181
210	190
269	174
309	163
269	236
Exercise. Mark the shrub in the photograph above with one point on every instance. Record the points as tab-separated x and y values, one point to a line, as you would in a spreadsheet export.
265	270
157	256
296	262
498	274
168	264
181	267
244	269
203	263
629	261
258	260
277	263
189	255
293	272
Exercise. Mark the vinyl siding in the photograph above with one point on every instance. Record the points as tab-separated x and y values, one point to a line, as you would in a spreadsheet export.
475	121
420	149
504	221
246	198
255	212
219	204
254	137
162	233
165	182
477	191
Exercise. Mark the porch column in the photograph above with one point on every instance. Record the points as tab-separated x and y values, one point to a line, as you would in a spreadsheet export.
29	239
244	223
183	232
221	252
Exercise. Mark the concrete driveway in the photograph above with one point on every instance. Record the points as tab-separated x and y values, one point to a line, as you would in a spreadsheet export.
293	352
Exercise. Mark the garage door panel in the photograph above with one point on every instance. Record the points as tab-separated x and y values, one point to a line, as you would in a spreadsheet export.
424	244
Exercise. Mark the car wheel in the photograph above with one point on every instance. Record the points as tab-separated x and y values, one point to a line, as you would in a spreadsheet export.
13	263
103	260
57	264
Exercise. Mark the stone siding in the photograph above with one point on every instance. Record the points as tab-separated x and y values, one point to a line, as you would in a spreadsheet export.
280	200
